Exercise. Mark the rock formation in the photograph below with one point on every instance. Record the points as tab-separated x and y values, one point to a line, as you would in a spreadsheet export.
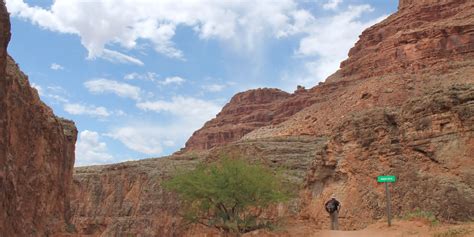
427	44
427	143
401	104
36	154
128	198
245	112
420	48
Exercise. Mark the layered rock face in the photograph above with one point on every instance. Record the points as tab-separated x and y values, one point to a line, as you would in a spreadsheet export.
129	199
36	154
401	104
245	112
425	46
427	143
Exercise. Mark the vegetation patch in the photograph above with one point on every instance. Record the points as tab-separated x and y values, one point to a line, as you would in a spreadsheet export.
420	215
230	195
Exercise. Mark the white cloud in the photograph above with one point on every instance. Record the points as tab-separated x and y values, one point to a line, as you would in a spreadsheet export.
149	76
117	57
38	88
151	138
55	66
56	93
332	4
188	114
213	87
110	86
90	150
244	24
328	40
172	80
91	110
144	139
197	109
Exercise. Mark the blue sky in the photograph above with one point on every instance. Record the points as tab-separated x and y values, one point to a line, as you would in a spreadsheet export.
138	77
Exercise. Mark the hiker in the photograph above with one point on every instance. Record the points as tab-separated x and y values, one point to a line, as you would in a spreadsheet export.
332	207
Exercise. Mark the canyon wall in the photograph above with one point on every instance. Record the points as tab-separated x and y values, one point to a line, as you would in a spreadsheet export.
128	198
401	104
36	154
424	46
245	112
428	143
416	50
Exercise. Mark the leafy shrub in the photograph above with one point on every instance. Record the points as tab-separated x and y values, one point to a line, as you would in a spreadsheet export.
230	195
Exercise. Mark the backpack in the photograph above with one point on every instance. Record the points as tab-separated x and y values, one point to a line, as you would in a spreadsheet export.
331	206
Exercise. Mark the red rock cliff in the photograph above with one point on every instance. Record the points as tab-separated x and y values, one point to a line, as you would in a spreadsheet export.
424	47
427	44
401	104
427	143
245	112
36	154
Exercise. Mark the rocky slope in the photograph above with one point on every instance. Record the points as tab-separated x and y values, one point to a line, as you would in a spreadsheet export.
425	46
245	112
128	199
428	143
401	104
36	154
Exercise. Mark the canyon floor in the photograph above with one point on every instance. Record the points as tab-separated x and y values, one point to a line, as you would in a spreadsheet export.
399	228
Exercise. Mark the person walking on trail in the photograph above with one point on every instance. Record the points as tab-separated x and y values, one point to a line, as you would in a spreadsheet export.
332	207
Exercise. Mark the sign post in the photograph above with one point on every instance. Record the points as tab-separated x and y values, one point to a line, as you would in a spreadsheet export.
387	179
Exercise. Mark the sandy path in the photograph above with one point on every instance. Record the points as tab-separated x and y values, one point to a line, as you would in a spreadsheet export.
398	229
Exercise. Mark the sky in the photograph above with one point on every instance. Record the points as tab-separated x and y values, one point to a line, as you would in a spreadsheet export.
139	77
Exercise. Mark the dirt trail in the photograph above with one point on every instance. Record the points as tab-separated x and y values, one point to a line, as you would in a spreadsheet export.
398	229
403	229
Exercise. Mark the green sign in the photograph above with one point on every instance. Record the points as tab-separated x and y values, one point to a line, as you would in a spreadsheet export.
386	179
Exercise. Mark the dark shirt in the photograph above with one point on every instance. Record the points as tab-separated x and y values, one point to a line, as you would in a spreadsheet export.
336	203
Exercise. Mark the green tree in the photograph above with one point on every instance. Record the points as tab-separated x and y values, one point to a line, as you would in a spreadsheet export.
230	195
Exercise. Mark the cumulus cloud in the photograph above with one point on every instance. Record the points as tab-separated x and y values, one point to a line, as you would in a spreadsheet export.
188	115
56	67
38	88
184	107
332	4
109	86
147	139
90	150
323	47
172	80
152	138
101	23
90	110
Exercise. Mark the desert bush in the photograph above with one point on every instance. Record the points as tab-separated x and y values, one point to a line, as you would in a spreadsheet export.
230	195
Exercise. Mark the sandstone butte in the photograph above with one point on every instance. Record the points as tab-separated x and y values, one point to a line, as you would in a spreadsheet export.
401	104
